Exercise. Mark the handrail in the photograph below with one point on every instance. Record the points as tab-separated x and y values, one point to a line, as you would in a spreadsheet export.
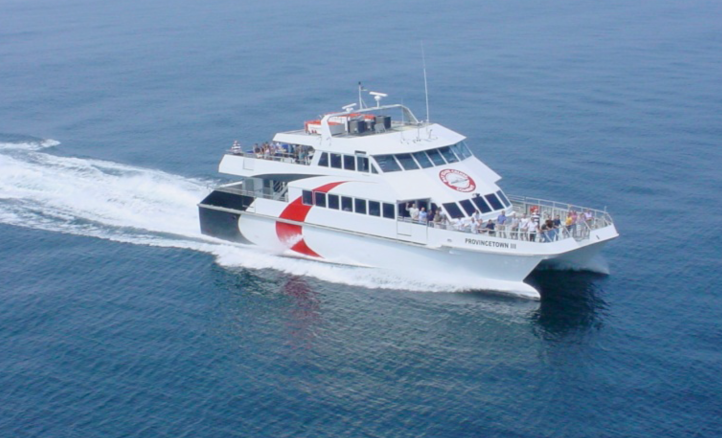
553	208
283	156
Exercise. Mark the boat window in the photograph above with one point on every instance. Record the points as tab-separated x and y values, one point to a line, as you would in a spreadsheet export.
373	169
349	162
333	201
346	203
407	161
323	160
360	205
494	201
374	208
448	154
453	210
423	159
481	204
461	151
387	163
436	157
467	206
320	199
389	211
503	198
307	197
336	161
362	164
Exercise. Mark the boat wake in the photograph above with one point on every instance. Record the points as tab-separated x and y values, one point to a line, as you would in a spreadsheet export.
129	204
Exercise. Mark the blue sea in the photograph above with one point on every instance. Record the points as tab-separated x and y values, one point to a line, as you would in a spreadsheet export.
117	319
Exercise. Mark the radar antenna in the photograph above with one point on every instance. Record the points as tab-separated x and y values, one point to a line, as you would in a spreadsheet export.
378	96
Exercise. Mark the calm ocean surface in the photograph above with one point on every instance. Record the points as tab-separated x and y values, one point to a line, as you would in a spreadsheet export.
117	319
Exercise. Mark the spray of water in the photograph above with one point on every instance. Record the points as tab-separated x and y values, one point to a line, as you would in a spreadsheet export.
106	200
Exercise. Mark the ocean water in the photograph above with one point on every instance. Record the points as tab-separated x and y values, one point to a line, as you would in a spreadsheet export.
118	319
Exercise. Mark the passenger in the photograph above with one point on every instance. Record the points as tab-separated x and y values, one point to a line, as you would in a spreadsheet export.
257	150
501	224
439	220
413	211
524	227
423	215
532	228
432	216
513	225
489	227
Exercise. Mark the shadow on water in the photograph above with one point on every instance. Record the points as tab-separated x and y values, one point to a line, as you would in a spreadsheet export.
571	303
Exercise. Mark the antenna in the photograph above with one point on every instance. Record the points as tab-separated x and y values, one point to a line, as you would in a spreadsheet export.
426	86
361	103
349	107
377	96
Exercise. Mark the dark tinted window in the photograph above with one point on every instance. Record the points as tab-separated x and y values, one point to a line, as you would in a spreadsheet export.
448	154
389	211
349	162
481	204
387	163
461	151
436	157
423	159
360	206
407	162
336	161
362	164
307	197
501	196
320	199
494	201
323	161
346	203
453	210
373	169
468	207
333	201
374	208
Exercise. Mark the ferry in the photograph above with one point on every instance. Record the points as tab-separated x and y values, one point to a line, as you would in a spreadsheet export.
373	186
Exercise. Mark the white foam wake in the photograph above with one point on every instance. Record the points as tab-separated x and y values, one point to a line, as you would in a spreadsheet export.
149	207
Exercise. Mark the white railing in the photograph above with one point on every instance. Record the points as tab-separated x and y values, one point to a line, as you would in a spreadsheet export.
580	229
282	157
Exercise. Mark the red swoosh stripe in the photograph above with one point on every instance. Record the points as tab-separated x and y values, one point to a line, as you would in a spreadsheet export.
291	234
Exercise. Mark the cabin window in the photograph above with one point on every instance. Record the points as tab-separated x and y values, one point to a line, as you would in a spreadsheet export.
374	208
387	163
360	205
468	207
461	151
333	201
346	203
373	169
323	160
362	164
453	210
307	197
336	161
503	198
389	211
320	199
436	157
494	201
423	159
407	161
448	154
481	204
349	162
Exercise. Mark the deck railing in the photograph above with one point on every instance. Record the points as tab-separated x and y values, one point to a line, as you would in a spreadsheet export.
281	157
579	230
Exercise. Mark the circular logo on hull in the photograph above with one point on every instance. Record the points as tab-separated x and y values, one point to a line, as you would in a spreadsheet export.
457	180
